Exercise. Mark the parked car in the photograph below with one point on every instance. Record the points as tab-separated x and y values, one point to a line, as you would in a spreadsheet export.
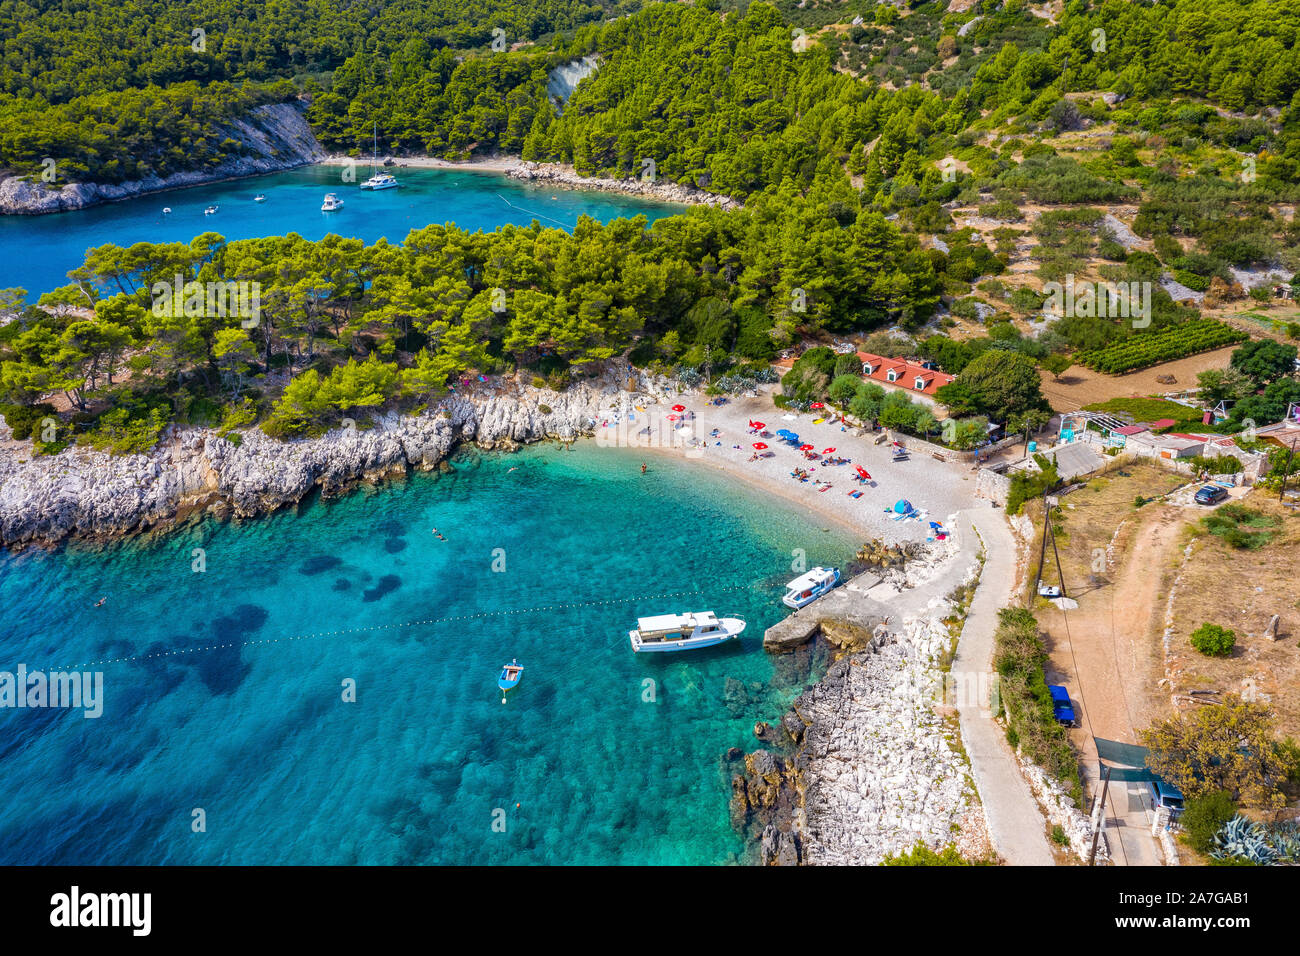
1049	591
1062	709
1211	495
1165	795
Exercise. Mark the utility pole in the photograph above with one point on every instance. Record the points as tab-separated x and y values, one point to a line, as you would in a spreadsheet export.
1101	819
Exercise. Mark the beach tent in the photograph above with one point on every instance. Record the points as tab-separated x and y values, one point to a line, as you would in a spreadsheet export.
902	506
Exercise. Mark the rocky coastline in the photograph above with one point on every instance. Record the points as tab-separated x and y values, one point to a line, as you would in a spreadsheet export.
867	762
82	493
555	174
277	137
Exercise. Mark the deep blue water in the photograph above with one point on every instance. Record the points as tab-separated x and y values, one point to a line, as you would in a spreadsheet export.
36	252
239	709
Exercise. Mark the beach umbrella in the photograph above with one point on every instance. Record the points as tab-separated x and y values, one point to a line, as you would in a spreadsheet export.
816	405
757	425
827	451
679	408
864	473
903	506
760	446
672	418
805	447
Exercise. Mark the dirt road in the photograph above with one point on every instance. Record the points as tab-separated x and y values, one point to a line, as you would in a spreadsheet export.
1109	654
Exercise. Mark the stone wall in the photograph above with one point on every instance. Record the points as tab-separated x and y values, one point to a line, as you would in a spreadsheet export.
993	485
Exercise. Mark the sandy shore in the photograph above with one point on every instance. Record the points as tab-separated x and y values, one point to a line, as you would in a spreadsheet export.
487	164
937	489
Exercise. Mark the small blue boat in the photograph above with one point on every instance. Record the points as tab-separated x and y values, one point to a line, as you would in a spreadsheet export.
510	676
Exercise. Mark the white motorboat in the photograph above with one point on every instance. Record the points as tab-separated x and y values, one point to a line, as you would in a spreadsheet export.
683	632
211	210
809	586
259	198
331	203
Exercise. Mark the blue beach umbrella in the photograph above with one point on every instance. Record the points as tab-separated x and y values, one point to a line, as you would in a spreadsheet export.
903	506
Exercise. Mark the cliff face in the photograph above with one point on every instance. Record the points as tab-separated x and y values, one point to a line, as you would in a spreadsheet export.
277	135
83	493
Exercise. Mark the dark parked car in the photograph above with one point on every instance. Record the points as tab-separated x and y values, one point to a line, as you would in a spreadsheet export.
1211	495
1061	706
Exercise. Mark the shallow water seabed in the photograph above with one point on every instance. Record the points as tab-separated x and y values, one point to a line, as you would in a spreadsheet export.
224	689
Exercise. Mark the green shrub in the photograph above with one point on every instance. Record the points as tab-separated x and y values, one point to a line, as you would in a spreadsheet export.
1058	835
24	419
1204	816
922	855
1025	486
1018	657
1213	640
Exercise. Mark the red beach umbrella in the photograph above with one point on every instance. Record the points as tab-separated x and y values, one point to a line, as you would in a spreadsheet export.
672	418
757	425
805	447
760	446
679	408
827	451
816	405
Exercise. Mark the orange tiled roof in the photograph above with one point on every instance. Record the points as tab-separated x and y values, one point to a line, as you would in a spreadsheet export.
905	374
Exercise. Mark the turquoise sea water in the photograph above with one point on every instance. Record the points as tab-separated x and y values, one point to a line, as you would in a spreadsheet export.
36	252
211	702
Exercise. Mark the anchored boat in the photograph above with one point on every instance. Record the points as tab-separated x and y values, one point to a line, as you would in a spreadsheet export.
510	676
683	632
809	586
378	180
331	203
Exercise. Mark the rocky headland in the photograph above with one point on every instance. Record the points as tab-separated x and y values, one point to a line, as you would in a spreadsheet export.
276	137
868	762
82	493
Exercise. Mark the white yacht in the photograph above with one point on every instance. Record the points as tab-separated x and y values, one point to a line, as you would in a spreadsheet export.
378	180
809	586
683	632
331	203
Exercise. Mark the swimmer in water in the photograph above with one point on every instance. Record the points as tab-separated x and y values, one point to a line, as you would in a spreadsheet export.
100	602
643	468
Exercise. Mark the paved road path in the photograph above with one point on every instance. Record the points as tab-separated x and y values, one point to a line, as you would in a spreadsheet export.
1016	825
